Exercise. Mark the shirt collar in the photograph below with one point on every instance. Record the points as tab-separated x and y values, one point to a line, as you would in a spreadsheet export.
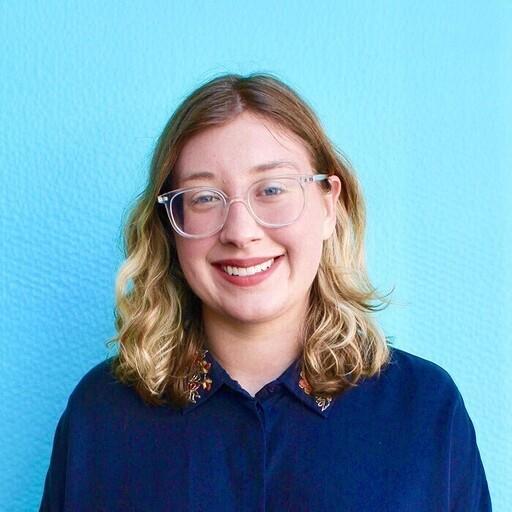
209	376
295	381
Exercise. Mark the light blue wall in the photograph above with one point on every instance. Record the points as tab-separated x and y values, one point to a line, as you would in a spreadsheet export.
417	94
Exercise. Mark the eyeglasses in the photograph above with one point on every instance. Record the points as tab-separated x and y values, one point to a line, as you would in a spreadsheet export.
199	212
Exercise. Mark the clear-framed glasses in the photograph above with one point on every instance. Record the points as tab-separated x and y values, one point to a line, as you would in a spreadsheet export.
199	212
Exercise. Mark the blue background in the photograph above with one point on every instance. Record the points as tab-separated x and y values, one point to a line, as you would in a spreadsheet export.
416	94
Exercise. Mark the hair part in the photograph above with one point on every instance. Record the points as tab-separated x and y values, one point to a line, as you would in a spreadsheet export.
157	315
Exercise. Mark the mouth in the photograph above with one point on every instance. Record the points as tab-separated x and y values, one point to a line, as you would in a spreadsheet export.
250	275
248	271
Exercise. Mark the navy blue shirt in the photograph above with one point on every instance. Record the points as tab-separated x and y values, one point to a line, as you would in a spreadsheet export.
399	442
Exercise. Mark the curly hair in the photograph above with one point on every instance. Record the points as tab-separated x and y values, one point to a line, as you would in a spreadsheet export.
157	315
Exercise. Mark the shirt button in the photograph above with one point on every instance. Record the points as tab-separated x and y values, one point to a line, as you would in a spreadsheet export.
271	388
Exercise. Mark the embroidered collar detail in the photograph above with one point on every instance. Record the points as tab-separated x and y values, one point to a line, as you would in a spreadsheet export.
207	376
200	379
321	402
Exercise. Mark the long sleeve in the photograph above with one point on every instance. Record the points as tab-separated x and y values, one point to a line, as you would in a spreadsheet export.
54	486
469	491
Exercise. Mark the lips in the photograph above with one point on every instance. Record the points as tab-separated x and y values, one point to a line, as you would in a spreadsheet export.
249	262
247	272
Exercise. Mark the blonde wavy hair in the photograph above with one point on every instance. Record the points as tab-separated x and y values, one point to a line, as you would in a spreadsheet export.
157	315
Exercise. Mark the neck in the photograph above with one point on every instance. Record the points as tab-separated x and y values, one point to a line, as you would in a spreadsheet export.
253	353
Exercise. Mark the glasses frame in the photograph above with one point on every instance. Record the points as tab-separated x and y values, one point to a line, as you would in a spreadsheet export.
167	199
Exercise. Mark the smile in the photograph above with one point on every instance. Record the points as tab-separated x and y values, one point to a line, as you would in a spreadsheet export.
249	276
248	271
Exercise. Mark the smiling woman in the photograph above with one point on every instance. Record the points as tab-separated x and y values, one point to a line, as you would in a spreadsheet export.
250	374
298	214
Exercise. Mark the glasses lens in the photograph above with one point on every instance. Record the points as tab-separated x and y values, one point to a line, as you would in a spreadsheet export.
277	202
197	212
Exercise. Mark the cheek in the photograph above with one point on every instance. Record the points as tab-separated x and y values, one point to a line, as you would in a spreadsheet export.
192	256
305	246
314	228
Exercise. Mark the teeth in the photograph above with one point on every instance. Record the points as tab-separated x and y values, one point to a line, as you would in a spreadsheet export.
248	271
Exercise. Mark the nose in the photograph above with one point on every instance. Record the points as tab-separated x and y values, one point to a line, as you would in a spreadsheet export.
240	227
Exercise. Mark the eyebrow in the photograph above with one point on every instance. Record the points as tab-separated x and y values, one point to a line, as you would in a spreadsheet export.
274	164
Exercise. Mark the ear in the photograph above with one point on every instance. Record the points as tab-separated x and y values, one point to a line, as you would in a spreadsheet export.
330	201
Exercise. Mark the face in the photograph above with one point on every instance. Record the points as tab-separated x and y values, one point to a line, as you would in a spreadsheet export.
231	153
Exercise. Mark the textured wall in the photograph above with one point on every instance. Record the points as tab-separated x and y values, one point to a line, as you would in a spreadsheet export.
417	94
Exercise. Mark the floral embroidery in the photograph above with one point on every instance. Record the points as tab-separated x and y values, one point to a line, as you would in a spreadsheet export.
200	379
304	384
322	402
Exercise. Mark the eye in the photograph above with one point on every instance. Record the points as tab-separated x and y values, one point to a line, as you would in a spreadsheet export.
203	199
271	189
207	198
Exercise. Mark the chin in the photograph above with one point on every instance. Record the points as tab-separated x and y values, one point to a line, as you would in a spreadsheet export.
253	314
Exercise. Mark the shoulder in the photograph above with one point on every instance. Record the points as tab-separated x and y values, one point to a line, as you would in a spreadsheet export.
98	391
96	379
412	384
416	371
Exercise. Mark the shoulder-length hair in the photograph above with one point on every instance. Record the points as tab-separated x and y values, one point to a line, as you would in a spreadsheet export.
158	317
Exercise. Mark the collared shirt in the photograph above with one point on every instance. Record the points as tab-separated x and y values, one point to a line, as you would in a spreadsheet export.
398	442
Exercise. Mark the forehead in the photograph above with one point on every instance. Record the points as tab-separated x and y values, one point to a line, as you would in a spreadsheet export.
245	144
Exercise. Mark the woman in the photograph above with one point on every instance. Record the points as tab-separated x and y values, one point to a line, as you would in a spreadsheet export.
250	374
